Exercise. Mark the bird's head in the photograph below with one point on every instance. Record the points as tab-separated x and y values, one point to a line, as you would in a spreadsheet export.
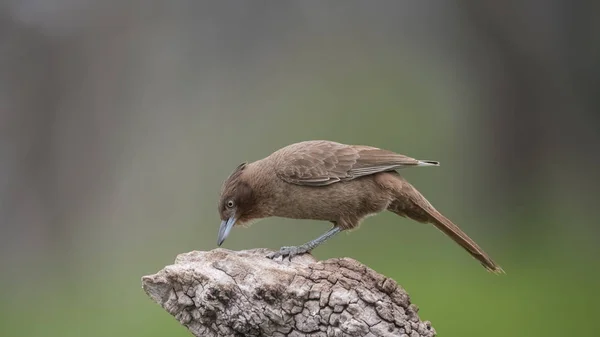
236	203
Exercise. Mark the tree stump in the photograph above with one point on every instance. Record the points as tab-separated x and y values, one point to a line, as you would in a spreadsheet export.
243	293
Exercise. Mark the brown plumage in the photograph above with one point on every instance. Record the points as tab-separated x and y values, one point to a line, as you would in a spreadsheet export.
330	181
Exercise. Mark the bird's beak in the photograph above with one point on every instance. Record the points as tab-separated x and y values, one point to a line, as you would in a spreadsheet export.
224	229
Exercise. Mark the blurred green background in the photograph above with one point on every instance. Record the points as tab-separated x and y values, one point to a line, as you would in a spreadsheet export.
120	119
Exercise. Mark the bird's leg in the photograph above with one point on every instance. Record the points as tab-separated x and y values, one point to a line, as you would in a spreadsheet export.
305	248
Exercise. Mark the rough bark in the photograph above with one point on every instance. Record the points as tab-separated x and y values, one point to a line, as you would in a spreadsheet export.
243	293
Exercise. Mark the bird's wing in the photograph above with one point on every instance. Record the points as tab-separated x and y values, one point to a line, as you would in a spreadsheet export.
321	163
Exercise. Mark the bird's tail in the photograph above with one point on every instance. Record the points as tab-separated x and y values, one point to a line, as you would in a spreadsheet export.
419	209
460	237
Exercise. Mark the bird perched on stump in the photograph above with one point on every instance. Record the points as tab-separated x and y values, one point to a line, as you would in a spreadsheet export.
330	181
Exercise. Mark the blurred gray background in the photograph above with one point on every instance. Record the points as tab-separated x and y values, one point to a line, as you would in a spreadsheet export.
120	119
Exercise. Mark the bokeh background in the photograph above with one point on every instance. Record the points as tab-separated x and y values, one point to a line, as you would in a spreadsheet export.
119	120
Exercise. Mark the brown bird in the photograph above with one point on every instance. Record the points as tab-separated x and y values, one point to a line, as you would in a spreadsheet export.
330	181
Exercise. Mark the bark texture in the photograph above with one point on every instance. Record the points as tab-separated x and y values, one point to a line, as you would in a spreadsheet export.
243	293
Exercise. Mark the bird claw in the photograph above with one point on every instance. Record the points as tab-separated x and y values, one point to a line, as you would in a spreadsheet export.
288	252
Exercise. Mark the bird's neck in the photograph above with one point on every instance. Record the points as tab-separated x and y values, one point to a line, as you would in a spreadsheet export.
263	181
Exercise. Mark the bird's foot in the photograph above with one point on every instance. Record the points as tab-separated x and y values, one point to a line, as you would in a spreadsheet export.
289	252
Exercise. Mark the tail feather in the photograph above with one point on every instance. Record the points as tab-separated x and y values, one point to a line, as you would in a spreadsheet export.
460	237
411	203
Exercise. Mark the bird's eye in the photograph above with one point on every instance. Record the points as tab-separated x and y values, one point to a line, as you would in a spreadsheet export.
230	203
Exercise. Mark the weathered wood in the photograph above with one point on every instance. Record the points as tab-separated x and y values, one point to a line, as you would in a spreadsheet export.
243	293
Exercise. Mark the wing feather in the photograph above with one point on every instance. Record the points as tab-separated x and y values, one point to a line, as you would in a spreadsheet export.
321	163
